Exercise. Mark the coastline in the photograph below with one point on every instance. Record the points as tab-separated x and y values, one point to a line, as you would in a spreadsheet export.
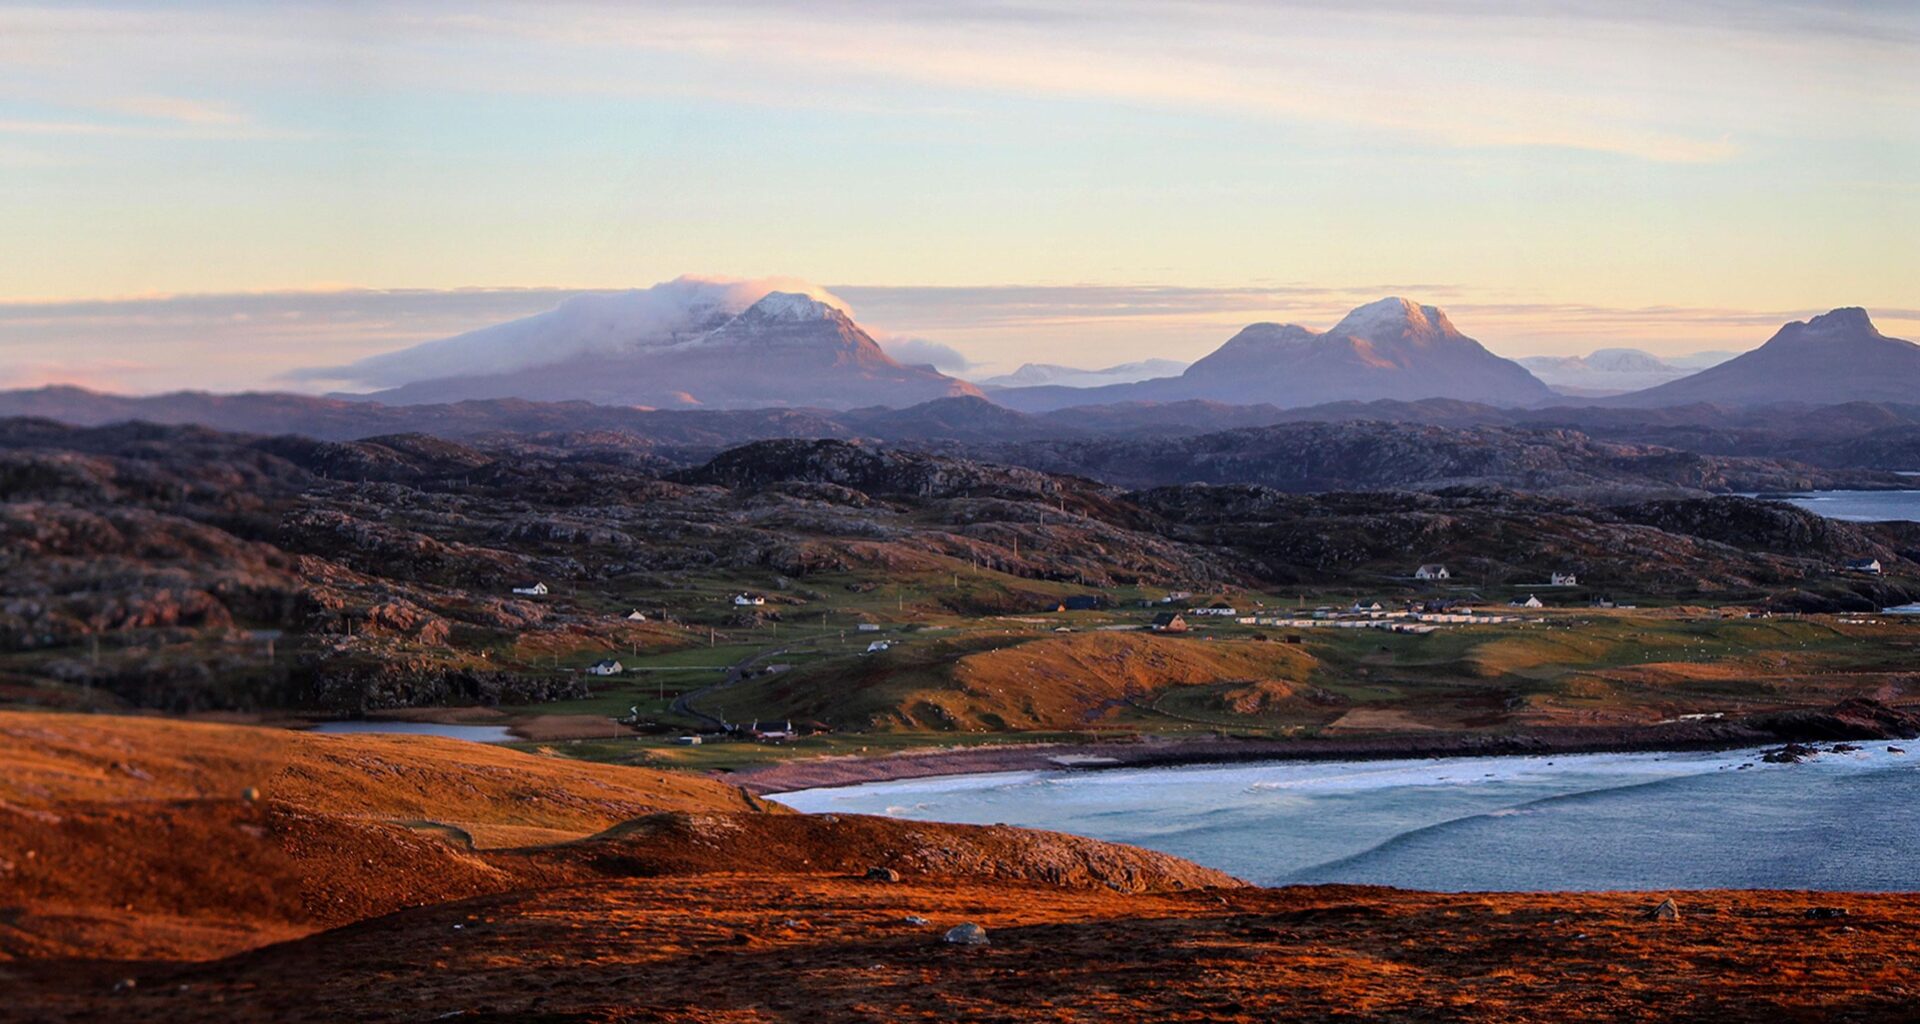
1859	719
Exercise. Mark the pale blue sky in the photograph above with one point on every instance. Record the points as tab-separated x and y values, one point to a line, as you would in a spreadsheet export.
1560	176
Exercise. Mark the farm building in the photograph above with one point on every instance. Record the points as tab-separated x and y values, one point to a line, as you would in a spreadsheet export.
534	590
1169	622
605	668
1432	572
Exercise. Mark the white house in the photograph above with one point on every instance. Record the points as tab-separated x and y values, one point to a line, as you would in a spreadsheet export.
1870	566
1216	609
537	590
1565	579
878	646
868	627
636	616
1432	572
605	668
1532	601
748	599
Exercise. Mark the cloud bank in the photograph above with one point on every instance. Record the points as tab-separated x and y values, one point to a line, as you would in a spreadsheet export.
921	351
594	323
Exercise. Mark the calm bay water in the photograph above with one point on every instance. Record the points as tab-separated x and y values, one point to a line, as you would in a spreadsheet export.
1861	506
1608	821
476	733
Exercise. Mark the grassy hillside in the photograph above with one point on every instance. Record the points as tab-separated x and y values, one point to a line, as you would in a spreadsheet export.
1013	681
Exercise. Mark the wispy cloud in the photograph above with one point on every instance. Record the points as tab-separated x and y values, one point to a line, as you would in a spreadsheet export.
175	108
1680	82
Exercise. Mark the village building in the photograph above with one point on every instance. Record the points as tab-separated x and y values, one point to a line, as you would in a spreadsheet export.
1225	610
636	616
536	590
1080	603
868	627
1169	622
748	599
771	735
605	668
1432	572
1532	601
1870	566
1565	579
878	646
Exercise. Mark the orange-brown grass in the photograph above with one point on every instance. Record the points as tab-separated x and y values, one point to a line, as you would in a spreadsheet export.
1062	681
811	948
500	797
129	838
126	866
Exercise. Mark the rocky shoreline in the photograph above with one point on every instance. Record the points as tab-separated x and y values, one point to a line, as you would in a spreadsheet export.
1854	719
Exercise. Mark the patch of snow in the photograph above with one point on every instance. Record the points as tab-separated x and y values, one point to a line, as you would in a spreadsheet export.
1393	317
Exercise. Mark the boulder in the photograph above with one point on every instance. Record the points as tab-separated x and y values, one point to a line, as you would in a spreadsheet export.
1792	753
968	934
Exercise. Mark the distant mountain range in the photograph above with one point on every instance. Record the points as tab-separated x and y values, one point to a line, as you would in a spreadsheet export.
1043	374
1390	349
785	349
1836	357
1858	435
1612	371
701	366
697	343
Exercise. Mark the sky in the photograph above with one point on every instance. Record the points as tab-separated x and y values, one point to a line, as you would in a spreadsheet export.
219	194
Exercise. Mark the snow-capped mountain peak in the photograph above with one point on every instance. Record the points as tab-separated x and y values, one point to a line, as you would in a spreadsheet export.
1844	322
791	307
1393	317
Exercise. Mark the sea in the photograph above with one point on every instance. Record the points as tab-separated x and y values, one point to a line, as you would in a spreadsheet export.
475	733
1860	506
1842	821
